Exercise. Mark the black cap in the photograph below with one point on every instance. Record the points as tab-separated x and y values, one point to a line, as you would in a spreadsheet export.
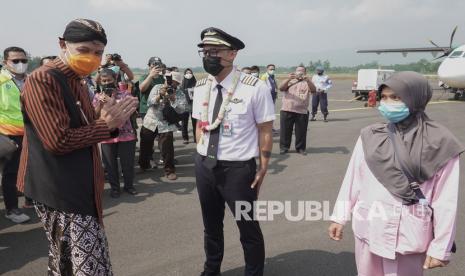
153	60
80	30
215	36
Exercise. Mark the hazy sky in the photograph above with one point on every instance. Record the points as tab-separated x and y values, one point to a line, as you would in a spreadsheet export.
274	31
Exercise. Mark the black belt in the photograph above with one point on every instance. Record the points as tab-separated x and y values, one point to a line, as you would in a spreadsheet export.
234	164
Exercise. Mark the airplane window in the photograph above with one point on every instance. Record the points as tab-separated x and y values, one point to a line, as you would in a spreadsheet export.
456	54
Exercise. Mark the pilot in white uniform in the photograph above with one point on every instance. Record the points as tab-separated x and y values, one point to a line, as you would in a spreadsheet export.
235	113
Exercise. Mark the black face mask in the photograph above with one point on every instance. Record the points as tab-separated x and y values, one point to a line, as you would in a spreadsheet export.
212	65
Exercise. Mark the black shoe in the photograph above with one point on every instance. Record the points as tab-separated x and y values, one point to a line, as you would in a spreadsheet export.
131	191
115	193
283	151
325	119
210	274
145	169
313	119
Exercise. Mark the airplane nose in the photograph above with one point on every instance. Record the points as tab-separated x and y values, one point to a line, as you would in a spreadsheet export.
450	71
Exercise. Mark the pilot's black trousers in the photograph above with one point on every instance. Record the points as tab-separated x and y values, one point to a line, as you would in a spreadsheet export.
229	182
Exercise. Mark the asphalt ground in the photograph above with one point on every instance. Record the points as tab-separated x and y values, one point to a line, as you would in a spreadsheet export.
160	231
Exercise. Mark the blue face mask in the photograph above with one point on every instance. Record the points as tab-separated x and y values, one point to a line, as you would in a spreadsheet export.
115	69
394	112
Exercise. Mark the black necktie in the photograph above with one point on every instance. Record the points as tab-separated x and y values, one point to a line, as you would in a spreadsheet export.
212	150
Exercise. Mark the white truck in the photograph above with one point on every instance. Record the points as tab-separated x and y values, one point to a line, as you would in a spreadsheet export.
369	79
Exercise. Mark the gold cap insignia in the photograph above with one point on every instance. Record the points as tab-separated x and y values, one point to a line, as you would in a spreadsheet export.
210	33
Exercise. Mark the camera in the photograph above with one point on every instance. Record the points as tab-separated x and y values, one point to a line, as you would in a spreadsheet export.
108	91
158	64
115	57
169	82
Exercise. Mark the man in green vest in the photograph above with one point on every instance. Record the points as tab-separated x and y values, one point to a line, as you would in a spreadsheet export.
12	78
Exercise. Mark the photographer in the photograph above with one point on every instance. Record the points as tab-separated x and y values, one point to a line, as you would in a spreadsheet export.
148	81
122	70
165	102
123	146
294	111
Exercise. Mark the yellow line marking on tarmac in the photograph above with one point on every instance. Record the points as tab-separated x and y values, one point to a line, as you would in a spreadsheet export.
439	102
350	109
330	100
363	108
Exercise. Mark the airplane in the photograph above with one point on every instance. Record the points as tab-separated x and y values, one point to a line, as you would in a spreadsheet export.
451	71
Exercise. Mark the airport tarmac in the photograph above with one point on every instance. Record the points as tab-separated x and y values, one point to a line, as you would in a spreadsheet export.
160	232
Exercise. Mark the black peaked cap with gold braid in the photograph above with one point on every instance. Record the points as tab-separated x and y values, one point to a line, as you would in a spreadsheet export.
215	36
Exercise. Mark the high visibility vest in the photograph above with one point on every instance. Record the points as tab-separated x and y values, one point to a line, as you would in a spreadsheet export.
11	118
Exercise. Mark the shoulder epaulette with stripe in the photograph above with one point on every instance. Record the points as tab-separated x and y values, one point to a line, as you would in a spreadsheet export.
250	80
201	82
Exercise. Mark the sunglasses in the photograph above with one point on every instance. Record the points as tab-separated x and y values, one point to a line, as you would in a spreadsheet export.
16	61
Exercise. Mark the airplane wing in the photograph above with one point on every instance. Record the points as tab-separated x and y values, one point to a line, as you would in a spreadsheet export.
433	50
404	51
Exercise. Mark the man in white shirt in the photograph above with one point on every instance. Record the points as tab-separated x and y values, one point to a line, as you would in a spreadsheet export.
235	114
322	83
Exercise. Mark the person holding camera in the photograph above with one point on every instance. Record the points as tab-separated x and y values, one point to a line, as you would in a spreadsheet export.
294	111
166	101
122	70
148	81
154	77
123	146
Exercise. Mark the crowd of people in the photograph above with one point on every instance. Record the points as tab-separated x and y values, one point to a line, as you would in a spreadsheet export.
64	122
154	90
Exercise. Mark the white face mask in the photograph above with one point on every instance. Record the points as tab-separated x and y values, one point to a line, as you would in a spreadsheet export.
255	74
271	72
19	68
188	76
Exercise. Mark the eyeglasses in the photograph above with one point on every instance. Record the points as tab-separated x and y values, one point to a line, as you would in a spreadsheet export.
212	52
16	61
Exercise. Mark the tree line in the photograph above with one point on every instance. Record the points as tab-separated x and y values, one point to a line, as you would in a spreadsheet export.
422	66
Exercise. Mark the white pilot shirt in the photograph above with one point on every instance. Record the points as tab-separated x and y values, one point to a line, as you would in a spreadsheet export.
322	83
250	105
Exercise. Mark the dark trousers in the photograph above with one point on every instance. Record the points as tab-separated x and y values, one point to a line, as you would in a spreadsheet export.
126	153
147	140
165	145
321	99
228	183
185	125
10	175
288	120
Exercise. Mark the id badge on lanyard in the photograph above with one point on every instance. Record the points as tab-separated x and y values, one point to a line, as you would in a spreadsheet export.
226	125
226	128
